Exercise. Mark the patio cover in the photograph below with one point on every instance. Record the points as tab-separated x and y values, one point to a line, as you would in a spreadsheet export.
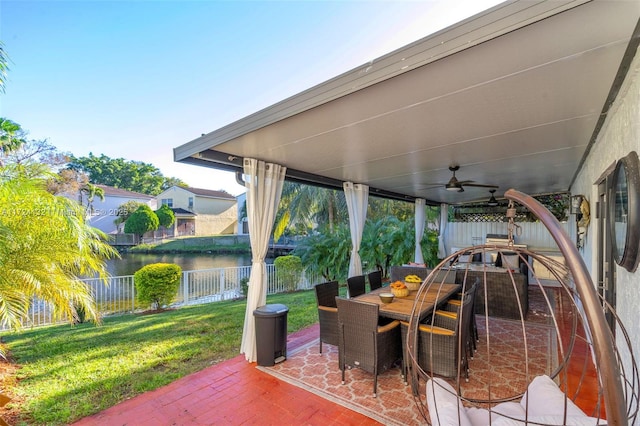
515	96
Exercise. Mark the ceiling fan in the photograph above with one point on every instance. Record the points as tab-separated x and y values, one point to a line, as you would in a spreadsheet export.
456	185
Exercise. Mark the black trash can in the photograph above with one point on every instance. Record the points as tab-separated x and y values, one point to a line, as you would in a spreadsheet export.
271	333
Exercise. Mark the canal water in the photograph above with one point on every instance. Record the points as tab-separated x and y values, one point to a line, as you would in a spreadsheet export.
131	262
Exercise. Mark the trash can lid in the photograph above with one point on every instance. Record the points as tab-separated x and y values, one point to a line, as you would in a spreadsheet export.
271	310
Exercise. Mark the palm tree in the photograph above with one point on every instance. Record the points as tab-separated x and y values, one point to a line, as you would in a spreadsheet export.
11	137
45	249
311	206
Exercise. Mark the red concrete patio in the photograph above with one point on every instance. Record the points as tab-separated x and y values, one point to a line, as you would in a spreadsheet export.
233	392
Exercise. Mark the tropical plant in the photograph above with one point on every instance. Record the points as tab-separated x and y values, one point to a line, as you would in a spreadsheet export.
327	254
141	221
11	137
166	217
289	270
157	284
45	248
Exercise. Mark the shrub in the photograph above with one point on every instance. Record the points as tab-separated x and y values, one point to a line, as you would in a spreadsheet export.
288	271
157	283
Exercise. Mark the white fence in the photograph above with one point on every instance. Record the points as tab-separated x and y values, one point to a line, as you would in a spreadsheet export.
196	287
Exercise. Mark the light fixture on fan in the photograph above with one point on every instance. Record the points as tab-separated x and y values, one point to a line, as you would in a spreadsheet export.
492	201
453	185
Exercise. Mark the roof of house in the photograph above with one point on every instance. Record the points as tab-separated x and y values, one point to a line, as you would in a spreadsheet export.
178	211
210	193
118	192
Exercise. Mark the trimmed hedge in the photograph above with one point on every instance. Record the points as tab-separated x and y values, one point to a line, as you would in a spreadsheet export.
157	284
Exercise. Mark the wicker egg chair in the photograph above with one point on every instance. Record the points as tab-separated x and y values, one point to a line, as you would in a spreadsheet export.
532	343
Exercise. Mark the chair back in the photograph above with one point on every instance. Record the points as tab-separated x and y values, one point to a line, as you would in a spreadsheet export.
356	285
357	333
466	312
375	280
356	317
326	293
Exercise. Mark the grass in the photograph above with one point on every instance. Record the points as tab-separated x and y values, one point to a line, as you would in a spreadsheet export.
67	373
195	245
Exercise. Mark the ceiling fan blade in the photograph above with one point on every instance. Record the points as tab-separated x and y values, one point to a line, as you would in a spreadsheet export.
480	185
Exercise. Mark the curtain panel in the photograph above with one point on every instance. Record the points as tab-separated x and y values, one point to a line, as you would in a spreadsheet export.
264	187
357	196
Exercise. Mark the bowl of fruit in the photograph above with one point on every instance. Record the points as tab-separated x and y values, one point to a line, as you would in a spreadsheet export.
412	282
399	289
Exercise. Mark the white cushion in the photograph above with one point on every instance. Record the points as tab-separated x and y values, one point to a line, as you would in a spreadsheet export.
550	420
445	409
480	416
545	398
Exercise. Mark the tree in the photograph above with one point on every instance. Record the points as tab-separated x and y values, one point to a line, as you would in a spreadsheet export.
141	221
124	174
11	136
310	206
45	248
125	210
166	217
32	151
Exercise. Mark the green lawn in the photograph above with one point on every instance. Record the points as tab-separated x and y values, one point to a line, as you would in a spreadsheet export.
220	244
67	373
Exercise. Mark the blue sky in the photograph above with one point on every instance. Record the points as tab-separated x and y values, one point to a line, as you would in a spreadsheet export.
134	79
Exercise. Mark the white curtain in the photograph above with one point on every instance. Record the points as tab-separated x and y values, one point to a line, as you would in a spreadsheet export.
419	222
264	186
357	197
444	218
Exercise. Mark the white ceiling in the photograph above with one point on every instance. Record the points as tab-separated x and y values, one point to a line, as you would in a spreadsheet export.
513	96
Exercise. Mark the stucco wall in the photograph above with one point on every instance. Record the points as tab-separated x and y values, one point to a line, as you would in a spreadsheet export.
619	136
222	223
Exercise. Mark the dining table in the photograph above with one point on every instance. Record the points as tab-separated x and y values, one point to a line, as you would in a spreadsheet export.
401	307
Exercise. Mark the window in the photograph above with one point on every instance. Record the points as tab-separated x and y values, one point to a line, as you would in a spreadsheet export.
190	203
167	202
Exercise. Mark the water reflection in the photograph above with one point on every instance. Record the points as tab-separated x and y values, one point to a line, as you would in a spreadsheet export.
131	262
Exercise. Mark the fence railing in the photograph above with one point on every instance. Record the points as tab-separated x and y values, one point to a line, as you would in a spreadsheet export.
196	287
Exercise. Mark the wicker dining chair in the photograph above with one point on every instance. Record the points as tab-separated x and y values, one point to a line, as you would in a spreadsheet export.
356	285
441	345
362	342
453	307
327	312
375	280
